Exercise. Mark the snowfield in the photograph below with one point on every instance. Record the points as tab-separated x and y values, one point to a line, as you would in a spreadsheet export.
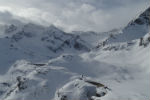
45	63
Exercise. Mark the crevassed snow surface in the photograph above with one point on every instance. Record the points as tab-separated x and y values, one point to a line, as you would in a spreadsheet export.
45	63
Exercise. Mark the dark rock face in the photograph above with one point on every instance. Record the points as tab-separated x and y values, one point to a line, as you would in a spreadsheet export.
144	41
18	36
21	83
10	29
144	18
138	21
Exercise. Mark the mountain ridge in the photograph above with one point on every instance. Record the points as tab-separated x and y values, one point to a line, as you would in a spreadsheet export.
46	63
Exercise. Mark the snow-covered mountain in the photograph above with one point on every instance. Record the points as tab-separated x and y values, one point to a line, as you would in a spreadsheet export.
46	63
136	29
37	43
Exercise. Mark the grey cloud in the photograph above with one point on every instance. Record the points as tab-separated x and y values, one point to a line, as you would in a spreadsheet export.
97	15
7	18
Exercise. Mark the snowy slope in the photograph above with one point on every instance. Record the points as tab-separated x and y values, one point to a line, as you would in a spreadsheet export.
26	81
136	29
45	63
37	43
91	37
112	68
80	90
134	84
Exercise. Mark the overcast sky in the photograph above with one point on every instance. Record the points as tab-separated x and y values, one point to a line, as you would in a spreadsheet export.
70	15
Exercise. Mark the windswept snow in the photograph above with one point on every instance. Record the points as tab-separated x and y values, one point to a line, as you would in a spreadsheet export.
136	29
80	90
45	63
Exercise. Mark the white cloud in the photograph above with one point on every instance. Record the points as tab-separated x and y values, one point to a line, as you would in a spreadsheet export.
97	15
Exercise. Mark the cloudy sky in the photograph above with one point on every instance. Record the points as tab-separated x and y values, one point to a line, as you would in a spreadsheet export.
85	15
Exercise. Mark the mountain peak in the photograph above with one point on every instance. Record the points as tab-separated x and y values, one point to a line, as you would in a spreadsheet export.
10	28
54	29
143	18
